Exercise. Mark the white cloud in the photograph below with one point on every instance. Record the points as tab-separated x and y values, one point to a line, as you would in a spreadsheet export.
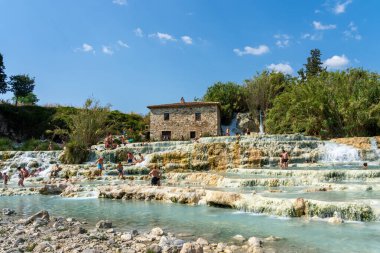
87	48
352	32
341	7
281	67
283	40
120	2
336	62
163	37
138	32
319	26
122	44
107	50
315	36
187	40
262	49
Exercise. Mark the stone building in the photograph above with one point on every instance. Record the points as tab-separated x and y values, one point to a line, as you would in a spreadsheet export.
184	120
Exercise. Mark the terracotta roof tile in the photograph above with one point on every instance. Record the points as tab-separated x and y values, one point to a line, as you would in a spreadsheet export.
186	104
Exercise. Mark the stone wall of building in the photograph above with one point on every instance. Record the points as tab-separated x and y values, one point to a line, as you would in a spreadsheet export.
182	121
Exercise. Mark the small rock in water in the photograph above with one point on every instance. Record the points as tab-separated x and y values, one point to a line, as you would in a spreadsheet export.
202	242
134	232
185	235
272	238
336	219
239	238
157	231
8	211
43	215
299	207
254	242
104	224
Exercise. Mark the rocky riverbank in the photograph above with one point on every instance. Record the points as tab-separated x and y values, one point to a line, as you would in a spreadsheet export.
43	233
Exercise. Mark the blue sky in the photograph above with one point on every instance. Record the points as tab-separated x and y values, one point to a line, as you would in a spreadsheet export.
134	53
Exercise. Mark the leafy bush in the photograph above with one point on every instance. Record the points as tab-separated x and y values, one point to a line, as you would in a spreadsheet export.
5	144
75	153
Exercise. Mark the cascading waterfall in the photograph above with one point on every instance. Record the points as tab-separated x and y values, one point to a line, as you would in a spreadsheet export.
30	160
261	127
331	152
374	147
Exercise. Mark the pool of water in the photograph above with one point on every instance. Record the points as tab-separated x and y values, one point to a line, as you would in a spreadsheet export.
215	224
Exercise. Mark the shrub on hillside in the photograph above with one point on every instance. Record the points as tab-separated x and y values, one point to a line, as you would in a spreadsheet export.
75	153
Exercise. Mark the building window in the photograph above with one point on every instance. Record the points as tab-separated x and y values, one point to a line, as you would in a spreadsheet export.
166	116
192	134
197	116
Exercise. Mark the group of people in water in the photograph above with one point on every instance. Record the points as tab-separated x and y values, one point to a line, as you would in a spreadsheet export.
155	173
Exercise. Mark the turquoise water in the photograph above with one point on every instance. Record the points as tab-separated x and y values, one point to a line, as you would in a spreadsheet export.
215	224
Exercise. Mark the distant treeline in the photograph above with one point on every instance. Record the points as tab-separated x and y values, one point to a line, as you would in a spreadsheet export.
317	102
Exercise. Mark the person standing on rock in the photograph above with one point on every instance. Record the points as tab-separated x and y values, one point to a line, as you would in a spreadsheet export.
155	173
100	165
120	171
5	178
284	159
20	177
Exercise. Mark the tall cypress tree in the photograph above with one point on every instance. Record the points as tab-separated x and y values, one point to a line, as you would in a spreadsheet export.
3	76
314	65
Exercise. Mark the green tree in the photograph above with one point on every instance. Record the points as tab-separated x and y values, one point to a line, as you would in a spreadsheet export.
231	97
262	89
30	99
313	66
341	103
21	86
3	76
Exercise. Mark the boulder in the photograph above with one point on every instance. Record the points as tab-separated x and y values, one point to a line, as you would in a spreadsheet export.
222	199
191	247
336	219
43	215
8	211
51	189
154	248
157	231
104	224
239	238
299	207
202	242
254	242
126	237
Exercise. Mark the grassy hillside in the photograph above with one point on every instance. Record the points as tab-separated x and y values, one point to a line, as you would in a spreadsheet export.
21	123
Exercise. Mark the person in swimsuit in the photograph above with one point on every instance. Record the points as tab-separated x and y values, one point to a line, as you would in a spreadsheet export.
141	158
20	177
365	166
155	173
130	158
100	165
120	171
284	159
5	178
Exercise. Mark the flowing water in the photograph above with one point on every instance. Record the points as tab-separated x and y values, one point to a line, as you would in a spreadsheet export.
215	224
324	171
